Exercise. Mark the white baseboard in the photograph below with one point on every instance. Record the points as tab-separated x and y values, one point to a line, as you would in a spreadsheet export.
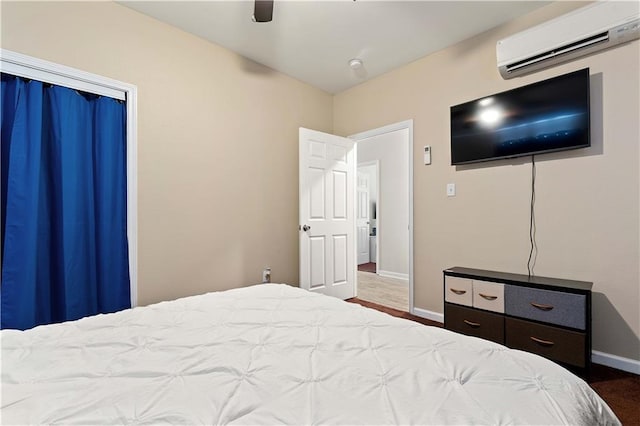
615	361
433	316
396	275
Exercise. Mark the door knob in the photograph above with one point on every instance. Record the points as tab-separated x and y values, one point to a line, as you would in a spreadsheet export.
305	228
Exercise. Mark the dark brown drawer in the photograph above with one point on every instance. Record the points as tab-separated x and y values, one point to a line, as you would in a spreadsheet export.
551	342
474	322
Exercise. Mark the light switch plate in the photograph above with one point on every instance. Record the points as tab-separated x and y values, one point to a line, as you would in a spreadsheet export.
451	190
427	155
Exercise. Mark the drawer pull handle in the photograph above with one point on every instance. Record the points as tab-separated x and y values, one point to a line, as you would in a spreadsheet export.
488	297
542	342
472	324
542	307
458	292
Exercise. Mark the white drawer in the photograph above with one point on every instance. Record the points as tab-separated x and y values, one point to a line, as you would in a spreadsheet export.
488	296
458	290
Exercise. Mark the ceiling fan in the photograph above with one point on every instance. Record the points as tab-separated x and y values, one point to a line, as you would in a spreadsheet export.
263	11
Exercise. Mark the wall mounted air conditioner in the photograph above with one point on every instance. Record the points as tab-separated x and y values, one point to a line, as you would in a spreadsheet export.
598	26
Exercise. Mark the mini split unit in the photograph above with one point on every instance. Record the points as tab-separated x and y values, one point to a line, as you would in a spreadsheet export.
584	31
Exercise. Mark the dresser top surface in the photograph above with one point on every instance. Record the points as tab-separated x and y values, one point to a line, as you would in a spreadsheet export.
507	277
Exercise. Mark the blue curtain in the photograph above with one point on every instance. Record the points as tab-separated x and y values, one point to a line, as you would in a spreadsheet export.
64	212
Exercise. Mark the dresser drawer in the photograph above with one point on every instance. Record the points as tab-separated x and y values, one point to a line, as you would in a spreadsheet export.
551	342
488	295
474	322
552	307
458	290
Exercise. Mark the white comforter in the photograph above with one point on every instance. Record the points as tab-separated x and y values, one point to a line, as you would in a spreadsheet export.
274	354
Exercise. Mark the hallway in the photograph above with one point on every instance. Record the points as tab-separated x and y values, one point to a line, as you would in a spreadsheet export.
389	292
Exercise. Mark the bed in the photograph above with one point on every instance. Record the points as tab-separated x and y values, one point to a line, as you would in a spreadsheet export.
275	354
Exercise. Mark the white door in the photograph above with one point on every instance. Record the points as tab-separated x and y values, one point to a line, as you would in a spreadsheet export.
327	222
362	219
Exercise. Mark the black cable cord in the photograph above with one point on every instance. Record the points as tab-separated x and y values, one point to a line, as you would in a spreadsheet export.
532	220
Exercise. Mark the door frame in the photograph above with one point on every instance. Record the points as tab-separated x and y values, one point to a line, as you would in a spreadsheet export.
407	124
50	72
377	164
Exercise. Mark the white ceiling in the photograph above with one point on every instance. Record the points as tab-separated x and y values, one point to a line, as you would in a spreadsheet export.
313	41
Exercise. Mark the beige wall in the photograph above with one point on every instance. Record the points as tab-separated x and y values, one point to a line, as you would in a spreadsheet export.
218	137
587	202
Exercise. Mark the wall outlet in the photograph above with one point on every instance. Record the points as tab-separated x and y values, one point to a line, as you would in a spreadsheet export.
266	275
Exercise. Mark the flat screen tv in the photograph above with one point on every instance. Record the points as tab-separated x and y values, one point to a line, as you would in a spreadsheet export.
550	115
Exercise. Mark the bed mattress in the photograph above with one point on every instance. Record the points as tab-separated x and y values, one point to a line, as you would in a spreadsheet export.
275	354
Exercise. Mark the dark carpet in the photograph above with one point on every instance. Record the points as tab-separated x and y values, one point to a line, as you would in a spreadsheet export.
619	389
367	267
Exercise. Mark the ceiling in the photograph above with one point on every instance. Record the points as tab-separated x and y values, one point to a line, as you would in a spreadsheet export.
313	41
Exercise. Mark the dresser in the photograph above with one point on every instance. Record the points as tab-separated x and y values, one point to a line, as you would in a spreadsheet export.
547	316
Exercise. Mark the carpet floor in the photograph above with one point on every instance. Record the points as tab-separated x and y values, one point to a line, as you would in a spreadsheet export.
619	389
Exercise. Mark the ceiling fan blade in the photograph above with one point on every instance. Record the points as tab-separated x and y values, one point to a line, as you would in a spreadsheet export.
263	10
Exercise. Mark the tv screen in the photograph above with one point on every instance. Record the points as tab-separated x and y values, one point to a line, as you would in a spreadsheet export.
550	115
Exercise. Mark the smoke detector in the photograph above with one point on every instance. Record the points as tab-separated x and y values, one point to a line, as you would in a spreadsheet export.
355	64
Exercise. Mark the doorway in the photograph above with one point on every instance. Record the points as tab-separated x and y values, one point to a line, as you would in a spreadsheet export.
384	219
367	213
